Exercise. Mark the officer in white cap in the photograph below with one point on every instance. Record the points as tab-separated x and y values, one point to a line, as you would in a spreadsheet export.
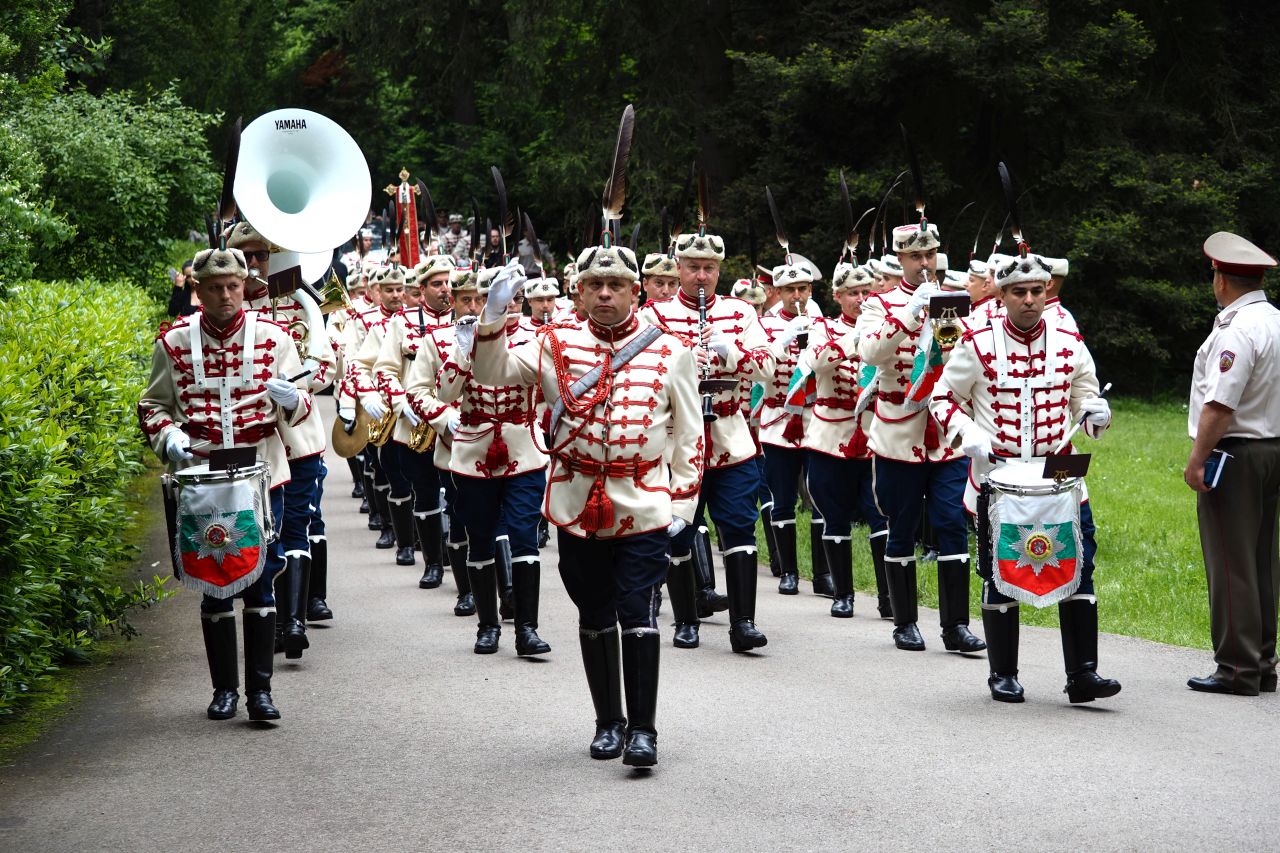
1234	418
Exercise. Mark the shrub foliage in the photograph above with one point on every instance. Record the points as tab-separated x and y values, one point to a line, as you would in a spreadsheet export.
75	364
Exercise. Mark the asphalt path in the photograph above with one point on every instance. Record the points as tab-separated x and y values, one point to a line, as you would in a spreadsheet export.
396	736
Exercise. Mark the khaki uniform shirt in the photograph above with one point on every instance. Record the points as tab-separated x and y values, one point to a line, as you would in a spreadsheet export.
1238	366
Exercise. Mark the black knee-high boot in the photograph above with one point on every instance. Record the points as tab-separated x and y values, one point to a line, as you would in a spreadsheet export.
822	583
357	477
387	537
259	637
219	631
840	560
291	607
1001	629
766	516
740	574
883	606
318	586
684	602
601	659
502	557
641	648
401	511
466	605
1078	618
484	584
430	534
526	580
784	535
903	596
704	568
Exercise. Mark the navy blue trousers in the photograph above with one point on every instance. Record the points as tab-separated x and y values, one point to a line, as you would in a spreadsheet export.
408	471
614	581
486	505
302	504
842	491
899	487
729	494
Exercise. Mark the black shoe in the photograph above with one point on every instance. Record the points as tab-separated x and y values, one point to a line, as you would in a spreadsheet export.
364	509
907	638
1087	686
711	602
1005	688
745	636
529	643
686	636
1268	684
318	610
822	586
223	706
642	749
789	585
357	491
375	521
432	577
607	744
1211	684
958	638
387	540
295	639
258	703
487	639
842	607
466	605
404	556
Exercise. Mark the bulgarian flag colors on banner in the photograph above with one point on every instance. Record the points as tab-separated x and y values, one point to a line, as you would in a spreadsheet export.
220	544
925	370
802	390
1035	540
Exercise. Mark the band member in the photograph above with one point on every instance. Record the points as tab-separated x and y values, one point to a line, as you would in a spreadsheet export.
1025	371
613	497
389	286
1235	409
731	344
782	428
1058	269
540	295
219	378
348	327
574	312
839	470
659	278
422	390
302	530
414	499
984	296
499	472
909	461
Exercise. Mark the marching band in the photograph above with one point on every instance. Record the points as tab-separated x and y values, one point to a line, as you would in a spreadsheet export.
478	409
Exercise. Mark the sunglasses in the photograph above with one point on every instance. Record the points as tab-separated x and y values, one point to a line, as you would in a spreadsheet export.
260	256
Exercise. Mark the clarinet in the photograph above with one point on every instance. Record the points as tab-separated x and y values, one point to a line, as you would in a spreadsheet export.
802	339
707	414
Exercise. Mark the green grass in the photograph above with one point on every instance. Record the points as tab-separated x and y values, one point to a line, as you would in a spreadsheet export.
1150	574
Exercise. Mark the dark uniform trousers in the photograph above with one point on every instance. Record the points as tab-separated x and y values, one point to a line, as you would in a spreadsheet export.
1238	536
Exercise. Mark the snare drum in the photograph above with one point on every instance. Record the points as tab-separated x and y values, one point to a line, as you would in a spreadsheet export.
1034	529
222	527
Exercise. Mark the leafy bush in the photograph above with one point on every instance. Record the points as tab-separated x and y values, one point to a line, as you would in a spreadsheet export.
126	172
76	359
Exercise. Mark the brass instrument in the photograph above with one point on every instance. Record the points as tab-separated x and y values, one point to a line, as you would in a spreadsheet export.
709	386
423	438
301	337
947	329
380	430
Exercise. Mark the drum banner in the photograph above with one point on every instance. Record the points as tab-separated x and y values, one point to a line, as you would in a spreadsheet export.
1035	540
220	545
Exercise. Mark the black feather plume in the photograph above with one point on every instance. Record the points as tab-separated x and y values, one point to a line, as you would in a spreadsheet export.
615	189
916	176
780	230
978	234
212	229
506	224
1011	200
635	238
227	204
704	201
429	208
531	237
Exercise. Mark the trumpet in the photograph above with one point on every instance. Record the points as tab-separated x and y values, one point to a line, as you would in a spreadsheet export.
947	329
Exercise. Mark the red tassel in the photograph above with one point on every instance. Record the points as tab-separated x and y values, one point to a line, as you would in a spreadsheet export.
597	513
496	457
857	447
930	433
794	430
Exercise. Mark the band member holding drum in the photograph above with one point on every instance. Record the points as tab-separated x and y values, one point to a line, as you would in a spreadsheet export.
909	460
1013	389
414	499
1235	410
220	379
623	394
302	531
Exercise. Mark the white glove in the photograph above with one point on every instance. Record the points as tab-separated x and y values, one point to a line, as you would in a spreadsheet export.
178	447
1097	411
797	326
975	443
677	524
347	415
284	392
501	290
375	410
920	299
453	425
410	415
465	335
718	343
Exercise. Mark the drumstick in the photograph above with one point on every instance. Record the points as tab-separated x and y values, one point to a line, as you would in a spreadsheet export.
1079	423
301	375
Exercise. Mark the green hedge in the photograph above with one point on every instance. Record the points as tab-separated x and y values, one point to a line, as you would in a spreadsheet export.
75	357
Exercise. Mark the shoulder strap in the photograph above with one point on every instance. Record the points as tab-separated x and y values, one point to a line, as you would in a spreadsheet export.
589	379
